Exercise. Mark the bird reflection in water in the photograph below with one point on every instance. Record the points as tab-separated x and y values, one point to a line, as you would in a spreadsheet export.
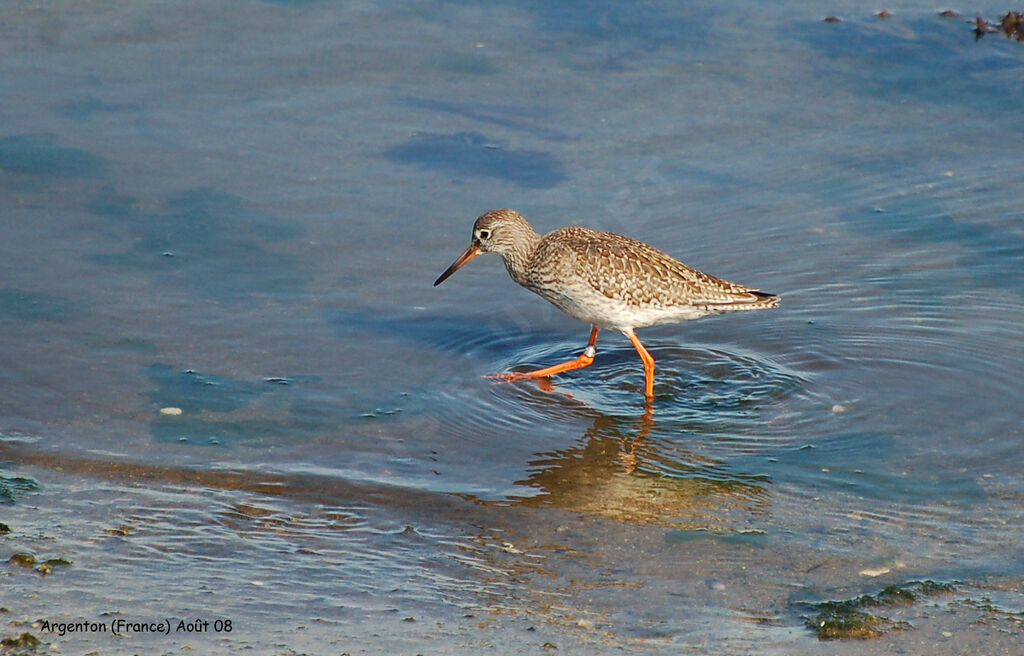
619	472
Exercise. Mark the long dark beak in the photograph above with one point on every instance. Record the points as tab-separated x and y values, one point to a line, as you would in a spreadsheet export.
466	256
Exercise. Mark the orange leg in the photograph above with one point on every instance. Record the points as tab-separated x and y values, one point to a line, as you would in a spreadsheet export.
648	363
584	360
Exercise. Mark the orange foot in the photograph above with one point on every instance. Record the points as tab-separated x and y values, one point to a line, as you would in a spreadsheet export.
541	375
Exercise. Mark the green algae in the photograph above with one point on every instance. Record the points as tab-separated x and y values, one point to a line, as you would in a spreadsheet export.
848	619
23	560
15	645
27	560
47	566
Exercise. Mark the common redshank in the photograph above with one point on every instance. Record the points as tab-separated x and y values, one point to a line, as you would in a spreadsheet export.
605	279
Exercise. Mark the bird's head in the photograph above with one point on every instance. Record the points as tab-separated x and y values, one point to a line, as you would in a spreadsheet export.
497	231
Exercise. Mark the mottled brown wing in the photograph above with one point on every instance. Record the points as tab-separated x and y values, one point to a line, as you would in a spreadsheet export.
629	270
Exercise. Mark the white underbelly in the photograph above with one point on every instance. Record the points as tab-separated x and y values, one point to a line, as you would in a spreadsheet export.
609	313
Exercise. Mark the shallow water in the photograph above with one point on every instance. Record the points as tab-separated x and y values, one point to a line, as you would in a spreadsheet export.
239	210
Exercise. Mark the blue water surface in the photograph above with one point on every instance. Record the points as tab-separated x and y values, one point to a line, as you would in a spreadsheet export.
230	390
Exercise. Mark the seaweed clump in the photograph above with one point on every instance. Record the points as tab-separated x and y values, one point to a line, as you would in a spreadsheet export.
1012	25
850	618
23	644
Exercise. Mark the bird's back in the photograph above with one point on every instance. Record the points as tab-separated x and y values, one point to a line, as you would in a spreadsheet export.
628	281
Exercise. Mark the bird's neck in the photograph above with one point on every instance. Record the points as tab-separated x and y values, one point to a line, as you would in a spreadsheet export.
517	260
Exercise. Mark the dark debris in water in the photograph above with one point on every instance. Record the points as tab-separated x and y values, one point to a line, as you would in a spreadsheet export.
22	560
29	561
120	531
850	618
23	644
1011	24
47	566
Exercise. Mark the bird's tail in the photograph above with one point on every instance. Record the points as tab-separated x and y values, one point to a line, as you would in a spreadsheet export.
751	300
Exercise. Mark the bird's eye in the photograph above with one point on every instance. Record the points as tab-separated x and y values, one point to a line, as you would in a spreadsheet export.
484	234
